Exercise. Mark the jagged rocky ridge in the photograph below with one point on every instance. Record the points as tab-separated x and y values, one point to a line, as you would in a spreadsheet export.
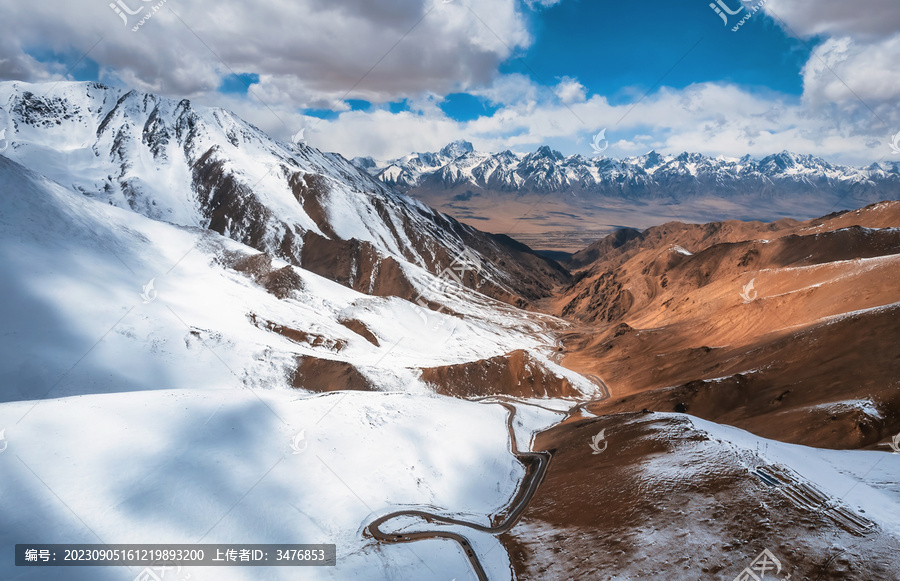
205	167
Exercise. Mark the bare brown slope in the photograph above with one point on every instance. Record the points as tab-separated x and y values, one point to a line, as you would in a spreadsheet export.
663	315
618	248
621	246
664	501
602	248
324	375
512	272
790	386
516	374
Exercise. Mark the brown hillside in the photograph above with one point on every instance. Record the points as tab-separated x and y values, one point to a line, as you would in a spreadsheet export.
808	354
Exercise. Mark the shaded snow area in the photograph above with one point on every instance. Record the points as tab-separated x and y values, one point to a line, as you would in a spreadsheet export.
219	466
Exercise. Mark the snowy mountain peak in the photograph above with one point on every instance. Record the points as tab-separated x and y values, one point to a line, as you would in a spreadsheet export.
652	159
456	149
545	152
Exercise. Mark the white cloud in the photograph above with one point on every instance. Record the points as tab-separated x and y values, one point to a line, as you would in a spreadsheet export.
850	72
319	50
712	118
569	90
542	3
853	75
808	18
846	71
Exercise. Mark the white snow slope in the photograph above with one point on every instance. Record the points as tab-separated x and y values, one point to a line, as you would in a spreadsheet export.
217	466
132	414
205	167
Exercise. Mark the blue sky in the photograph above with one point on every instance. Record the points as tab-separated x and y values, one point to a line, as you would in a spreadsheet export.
611	46
621	50
387	77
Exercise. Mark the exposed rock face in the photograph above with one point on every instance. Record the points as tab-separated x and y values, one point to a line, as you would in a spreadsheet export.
326	375
362	330
516	374
280	282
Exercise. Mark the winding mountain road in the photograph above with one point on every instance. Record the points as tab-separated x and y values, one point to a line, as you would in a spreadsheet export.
536	465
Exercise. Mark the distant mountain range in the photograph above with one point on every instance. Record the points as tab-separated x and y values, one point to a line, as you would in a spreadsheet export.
556	203
647	176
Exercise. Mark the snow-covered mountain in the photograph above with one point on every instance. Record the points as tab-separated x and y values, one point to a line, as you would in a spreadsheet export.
678	177
194	316
204	167
175	308
290	264
182	306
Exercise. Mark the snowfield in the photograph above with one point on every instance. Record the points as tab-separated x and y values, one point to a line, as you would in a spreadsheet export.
219	466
